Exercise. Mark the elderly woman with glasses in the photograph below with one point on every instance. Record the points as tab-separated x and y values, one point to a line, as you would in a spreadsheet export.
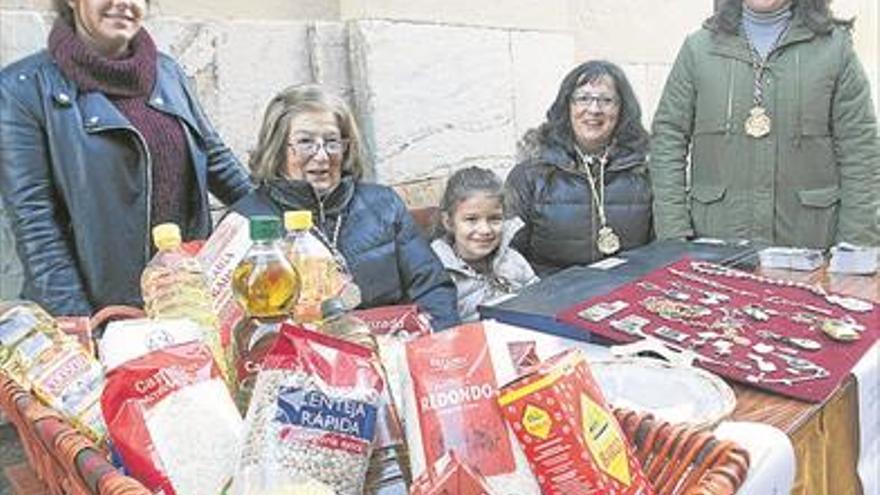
582	189
308	157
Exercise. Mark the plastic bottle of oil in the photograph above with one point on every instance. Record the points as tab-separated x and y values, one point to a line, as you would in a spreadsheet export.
267	287
317	268
174	285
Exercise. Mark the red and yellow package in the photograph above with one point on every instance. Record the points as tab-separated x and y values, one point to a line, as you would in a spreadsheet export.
450	403
570	436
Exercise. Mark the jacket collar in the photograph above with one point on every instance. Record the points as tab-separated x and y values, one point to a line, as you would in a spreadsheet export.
99	113
737	46
620	159
299	194
451	261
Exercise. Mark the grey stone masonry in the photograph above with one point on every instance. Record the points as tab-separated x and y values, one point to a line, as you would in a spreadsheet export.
430	98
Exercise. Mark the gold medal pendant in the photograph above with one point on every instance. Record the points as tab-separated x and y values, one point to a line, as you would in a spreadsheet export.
607	241
758	123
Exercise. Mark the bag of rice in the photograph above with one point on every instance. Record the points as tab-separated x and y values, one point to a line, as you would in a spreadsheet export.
130	339
571	438
312	417
172	420
450	401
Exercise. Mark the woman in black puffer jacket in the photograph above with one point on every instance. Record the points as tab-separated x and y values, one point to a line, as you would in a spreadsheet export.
582	188
308	158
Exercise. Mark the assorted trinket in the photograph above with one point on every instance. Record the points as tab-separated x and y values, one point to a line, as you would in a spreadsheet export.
739	326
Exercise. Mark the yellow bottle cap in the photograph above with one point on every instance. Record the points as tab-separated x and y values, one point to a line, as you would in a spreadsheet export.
298	220
166	236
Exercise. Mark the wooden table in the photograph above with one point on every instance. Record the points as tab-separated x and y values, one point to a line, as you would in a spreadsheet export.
825	436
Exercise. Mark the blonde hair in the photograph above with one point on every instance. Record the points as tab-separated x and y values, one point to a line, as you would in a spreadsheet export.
269	159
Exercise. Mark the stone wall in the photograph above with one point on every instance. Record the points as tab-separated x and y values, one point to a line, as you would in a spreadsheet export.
431	97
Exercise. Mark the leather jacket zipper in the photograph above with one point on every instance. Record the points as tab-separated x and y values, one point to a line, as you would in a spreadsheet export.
148	173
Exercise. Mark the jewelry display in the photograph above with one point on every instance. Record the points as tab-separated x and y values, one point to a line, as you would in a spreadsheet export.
800	343
785	302
599	312
674	310
670	334
722	347
759	313
709	297
710	283
607	240
763	365
762	348
747	327
846	329
846	302
670	293
631	325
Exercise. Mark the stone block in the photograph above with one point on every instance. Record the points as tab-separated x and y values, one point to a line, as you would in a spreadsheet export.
643	31
329	45
433	98
517	14
256	60
23	33
540	61
194	45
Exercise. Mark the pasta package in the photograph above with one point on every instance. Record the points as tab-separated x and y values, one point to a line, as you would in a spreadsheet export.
450	399
570	437
38	356
172	420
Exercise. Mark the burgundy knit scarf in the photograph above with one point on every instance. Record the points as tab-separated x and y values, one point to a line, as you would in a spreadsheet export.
127	82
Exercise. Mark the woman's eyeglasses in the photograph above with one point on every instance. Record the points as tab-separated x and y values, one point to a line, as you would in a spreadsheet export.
586	100
310	147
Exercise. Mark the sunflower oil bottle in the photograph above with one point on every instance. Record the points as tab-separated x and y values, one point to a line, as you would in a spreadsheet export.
318	270
174	285
267	287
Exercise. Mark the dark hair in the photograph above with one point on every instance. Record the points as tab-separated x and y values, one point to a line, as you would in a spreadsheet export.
464	184
629	135
816	14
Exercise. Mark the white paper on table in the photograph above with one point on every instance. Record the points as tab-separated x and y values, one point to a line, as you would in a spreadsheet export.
868	390
771	454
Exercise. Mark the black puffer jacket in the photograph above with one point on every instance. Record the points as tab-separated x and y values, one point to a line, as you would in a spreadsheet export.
390	261
555	201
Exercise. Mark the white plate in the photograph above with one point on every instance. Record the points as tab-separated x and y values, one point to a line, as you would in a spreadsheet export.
675	393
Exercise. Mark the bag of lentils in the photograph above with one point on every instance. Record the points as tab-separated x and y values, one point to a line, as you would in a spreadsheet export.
312	417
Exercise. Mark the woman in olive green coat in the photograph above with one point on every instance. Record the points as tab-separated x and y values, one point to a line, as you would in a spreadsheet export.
775	110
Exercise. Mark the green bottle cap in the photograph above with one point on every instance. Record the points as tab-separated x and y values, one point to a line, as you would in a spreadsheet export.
265	228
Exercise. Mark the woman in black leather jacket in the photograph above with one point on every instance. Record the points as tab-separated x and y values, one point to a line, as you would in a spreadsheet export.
582	188
101	139
309	157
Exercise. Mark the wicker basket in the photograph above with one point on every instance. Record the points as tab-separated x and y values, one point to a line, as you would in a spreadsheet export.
677	459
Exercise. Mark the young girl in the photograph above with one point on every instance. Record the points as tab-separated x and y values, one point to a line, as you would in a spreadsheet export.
472	239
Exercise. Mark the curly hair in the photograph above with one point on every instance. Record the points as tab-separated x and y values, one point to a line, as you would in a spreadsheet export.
629	135
816	14
269	158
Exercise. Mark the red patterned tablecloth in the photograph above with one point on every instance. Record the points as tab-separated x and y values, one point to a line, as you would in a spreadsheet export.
781	302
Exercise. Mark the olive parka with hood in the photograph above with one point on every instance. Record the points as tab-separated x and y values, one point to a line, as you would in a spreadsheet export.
813	181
